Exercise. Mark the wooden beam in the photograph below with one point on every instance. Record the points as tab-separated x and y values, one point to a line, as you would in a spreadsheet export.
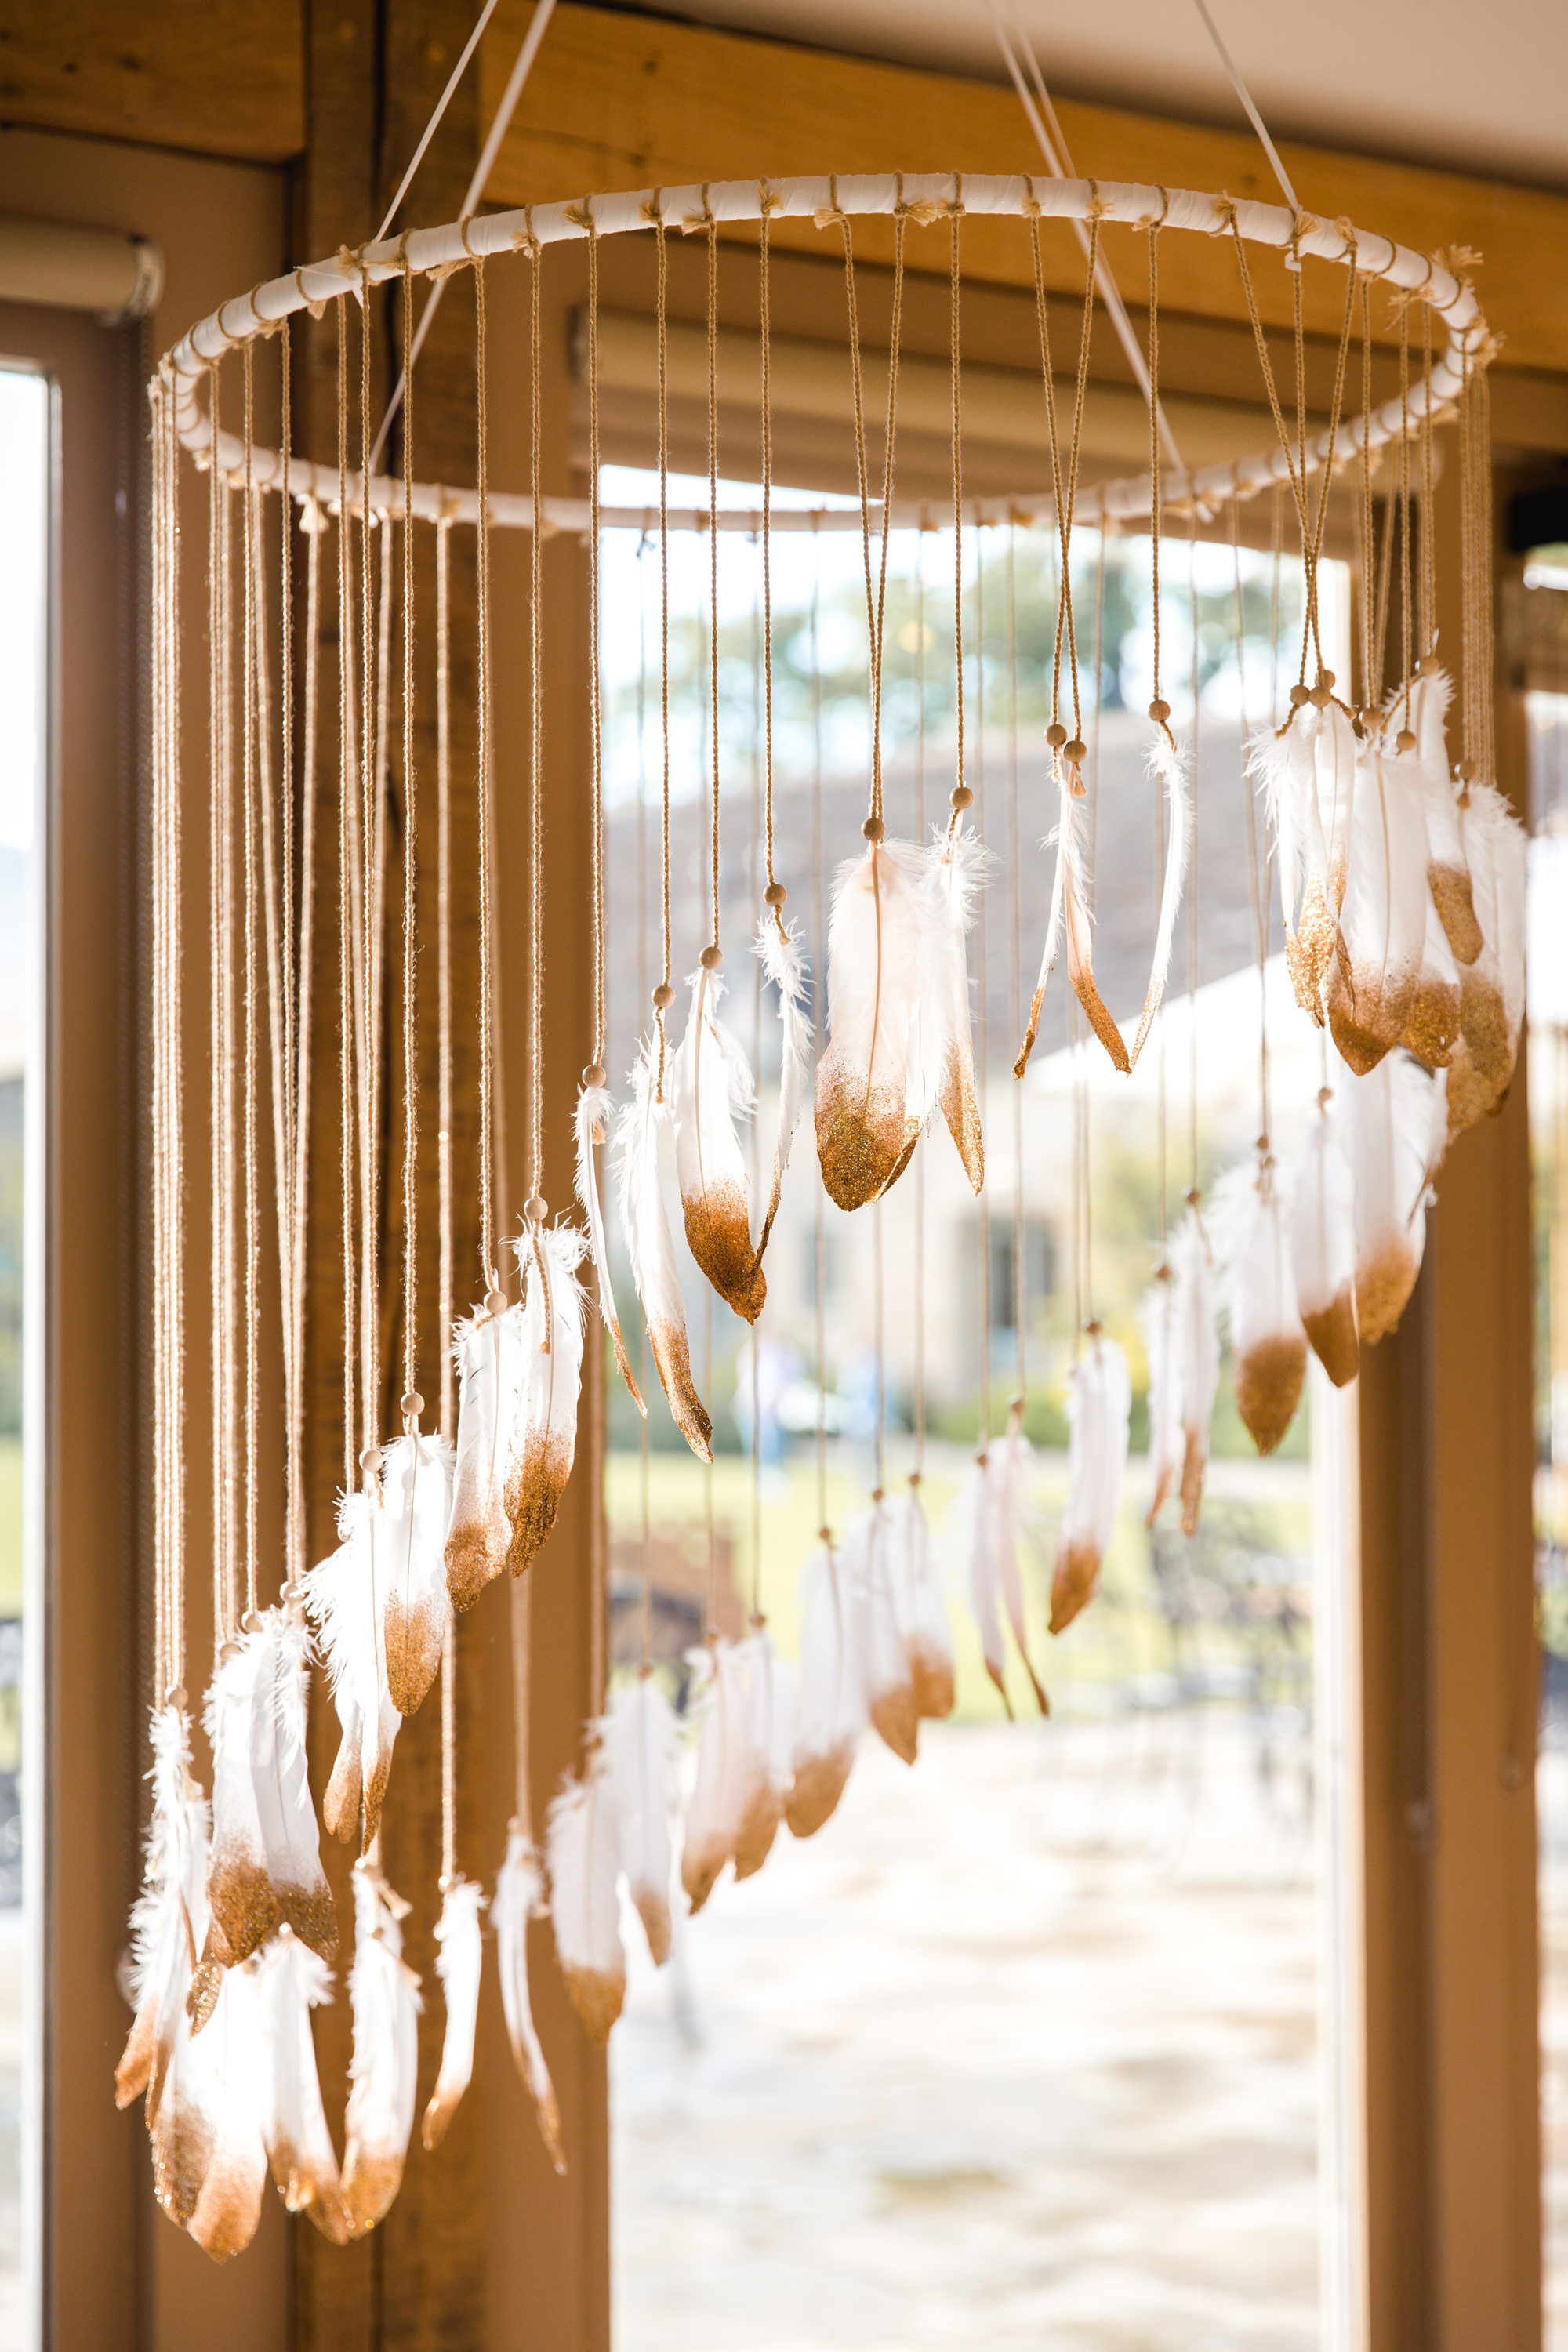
619	102
216	81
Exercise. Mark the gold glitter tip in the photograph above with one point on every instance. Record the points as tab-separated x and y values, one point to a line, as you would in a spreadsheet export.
864	1136
719	1235
1450	888
758	1827
1332	1333
533	1493
1269	1379
413	1650
244	1908
672	1362
1195	1462
596	1997
702	1862
654	1911
819	1782
1073	1581
894	1714
933	1683
962	1112
1383	1287
476	1551
341	1805
371	2183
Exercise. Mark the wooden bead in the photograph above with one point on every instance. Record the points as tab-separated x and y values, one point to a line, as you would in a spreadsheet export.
962	797
1404	740
1299	695
774	895
1326	677
1321	696
369	1459
1429	665
712	958
411	1401
495	1302
593	1076
1076	751
536	1208
663	997
1056	734
1159	711
874	829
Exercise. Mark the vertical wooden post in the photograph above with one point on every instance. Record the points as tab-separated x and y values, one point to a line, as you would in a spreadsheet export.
1449	1697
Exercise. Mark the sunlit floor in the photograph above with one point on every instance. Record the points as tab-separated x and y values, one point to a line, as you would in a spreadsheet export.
1018	2051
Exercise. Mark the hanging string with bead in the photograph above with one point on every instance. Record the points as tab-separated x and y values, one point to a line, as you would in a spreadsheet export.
220	999
1019	1398
918	1173
535	1208
412	1404
249	786
820	1023
664	994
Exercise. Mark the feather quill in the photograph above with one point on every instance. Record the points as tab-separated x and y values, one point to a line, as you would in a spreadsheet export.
594	1110
229	2206
1100	1399
459	1961
1007	1459
1070	919
292	1981
546	1441
712	1090
1268	1345
585	1905
1394	1128
520	1897
1162	1321
923	1613
781	950
489	1357
834	1704
1168	766
639	1744
382	2072
1323	1249
877	943
652	1250
720	1793
169	1928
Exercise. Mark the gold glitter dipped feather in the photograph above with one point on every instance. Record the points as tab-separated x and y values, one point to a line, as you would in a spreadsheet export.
489	1350
1491	988
782	952
417	1496
879	1634
955	878
382	2072
1268	1344
1168	766
639	1745
834	1707
169	1928
286	1814
520	1897
990	1507
928	1635
229	2205
346	1596
1375	971
877	944
1322	1248
585	1898
1161	1319
768	1731
1199	1339
242	1907
1395	1122
292	1981
459	1959
1099	1398
1448	870
1070	919
712	1087
721	1788
594	1111
652	1249
545	1442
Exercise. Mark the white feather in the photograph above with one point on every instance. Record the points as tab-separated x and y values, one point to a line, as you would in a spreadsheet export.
1395	1124
594	1112
877	945
835	1707
1323	1250
1372	980
1447	871
584	1903
722	1787
781	950
458	1959
292	1981
1007	1458
290	1841
520	1897
1491	988
242	1907
973	1520
545	1443
652	1249
1195	1307
169	1927
1100	1397
885	1658
416	1493
383	2070
490	1357
1162	1322
639	1747
1168	765
922	1611
712	1090
1070	919
346	1596
229	2205
768	1731
942	1071
1268	1345
1306	764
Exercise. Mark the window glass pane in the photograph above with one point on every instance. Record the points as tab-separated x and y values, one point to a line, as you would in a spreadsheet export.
1020	2047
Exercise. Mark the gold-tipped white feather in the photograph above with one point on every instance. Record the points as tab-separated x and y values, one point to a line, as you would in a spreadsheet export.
290	1841
1100	1399
922	1611
768	1735
1162	1321
383	2070
1306	774
1372	980
489	1350
1268	1344
243	1907
889	1676
229	2205
545	1443
1195	1308
458	1959
169	1928
712	1090
417	1487
1168	765
835	1707
595	1110
1491	988
944	1075
990	1509
1322	1248
292	1981
584	1847
520	1897
1447	868
1395	1122
640	1745
781	950
1071	922
722	1788
877	943
652	1249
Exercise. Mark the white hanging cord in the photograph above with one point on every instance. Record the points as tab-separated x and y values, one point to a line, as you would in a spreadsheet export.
1037	106
477	186
1253	116
442	103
